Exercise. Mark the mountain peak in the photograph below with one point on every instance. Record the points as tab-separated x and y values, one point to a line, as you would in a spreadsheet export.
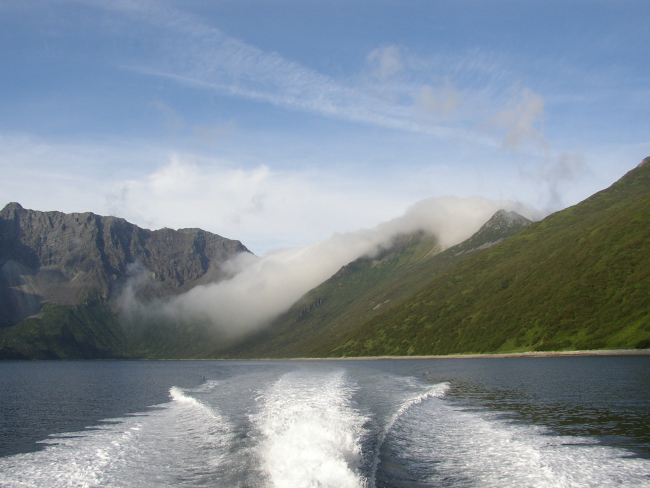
502	218
11	207
501	225
645	162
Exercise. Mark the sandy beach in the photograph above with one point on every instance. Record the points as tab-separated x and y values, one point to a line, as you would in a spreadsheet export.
528	354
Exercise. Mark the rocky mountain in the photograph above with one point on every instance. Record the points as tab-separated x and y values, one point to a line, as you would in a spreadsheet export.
502	225
367	287
54	257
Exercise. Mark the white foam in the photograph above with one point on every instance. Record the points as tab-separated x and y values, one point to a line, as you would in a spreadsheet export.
182	442
461	447
311	434
436	391
304	430
416	393
206	386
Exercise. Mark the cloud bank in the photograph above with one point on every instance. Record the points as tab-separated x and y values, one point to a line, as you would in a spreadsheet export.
262	207
263	288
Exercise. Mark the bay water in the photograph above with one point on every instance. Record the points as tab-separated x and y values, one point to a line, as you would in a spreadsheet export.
554	421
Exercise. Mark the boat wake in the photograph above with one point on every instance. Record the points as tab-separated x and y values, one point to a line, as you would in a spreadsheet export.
317	425
310	433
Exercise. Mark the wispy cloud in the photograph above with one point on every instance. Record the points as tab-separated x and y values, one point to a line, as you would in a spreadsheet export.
442	101
172	121
521	120
209	134
520	125
448	93
386	61
202	56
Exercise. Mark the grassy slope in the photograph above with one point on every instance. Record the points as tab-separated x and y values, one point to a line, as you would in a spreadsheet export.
579	279
354	294
93	330
86	331
361	290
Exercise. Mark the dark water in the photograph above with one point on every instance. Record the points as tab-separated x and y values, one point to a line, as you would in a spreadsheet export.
570	421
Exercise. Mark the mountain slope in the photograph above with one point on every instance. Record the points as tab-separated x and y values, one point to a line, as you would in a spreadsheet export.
579	279
365	288
53	257
61	273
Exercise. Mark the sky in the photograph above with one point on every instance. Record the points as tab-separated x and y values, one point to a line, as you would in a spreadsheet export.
282	123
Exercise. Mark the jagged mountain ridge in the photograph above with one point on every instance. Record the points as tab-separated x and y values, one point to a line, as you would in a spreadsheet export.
366	287
54	257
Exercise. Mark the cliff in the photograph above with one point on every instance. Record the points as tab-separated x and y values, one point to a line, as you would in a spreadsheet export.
54	257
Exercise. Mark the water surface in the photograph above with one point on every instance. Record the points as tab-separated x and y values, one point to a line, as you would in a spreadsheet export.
561	421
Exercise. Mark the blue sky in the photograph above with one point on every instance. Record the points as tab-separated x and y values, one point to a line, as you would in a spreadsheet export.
281	122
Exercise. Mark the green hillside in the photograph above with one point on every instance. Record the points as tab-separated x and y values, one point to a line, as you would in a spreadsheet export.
93	329
365	288
579	279
86	331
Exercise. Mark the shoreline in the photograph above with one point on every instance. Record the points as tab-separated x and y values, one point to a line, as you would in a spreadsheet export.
527	354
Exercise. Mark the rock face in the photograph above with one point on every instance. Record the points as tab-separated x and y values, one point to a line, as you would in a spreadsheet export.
501	225
58	257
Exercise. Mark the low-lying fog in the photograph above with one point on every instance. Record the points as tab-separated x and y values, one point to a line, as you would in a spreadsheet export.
261	288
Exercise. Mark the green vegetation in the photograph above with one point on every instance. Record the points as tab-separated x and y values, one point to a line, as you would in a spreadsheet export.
579	279
94	330
357	292
173	340
84	331
364	289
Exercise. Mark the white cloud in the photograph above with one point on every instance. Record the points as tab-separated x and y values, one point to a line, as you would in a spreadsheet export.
68	176
386	61
521	120
442	101
176	179
261	207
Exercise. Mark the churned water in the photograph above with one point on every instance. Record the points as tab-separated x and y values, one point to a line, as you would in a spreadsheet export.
572	421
